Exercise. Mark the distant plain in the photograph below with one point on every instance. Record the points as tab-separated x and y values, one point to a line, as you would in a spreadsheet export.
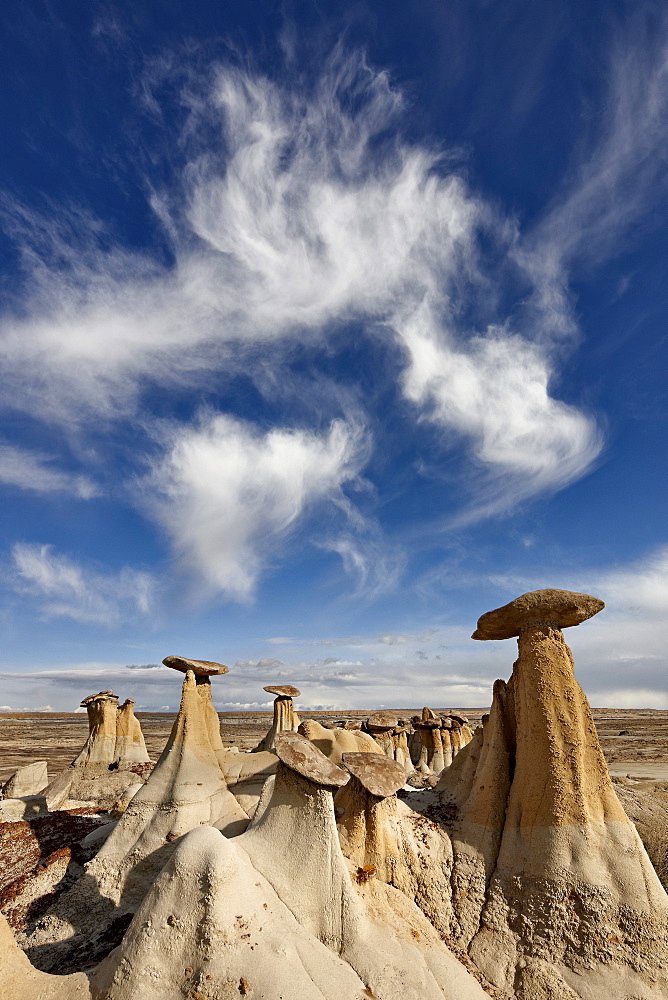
634	741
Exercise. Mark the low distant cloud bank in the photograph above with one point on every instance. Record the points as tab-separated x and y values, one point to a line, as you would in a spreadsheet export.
619	657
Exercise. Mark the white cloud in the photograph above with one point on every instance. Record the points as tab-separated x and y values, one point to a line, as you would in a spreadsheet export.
227	495
619	174
312	213
641	588
64	588
262	663
30	470
369	560
495	392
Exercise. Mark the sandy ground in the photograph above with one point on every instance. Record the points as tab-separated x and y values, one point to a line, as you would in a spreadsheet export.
635	742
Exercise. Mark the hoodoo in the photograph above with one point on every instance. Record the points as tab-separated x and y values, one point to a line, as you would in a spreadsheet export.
372	926
286	719
101	743
368	824
130	746
431	745
186	789
341	886
552	888
381	726
112	760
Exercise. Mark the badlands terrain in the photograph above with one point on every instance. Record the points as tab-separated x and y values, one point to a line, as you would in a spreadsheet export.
634	741
518	852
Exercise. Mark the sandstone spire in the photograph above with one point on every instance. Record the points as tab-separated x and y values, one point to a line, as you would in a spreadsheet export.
552	887
186	789
100	745
431	745
372	926
286	719
367	817
109	762
130	746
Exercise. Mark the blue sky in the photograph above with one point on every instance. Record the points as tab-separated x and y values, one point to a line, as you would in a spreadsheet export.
326	328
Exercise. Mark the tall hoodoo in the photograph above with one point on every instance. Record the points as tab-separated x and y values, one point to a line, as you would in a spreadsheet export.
554	892
203	671
286	719
381	726
368	824
130	746
416	742
101	743
431	745
186	788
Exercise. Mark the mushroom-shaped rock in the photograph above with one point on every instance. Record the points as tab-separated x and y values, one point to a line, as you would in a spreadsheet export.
380	776
101	743
285	718
203	671
367	822
302	756
228	918
381	726
200	668
292	841
553	891
431	750
558	608
461	719
100	773
283	690
381	721
335	742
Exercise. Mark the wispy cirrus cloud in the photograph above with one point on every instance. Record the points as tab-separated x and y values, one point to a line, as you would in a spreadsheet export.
64	588
617	175
307	215
312	212
29	470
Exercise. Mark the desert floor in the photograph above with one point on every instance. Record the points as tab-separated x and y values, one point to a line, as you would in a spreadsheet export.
635	741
